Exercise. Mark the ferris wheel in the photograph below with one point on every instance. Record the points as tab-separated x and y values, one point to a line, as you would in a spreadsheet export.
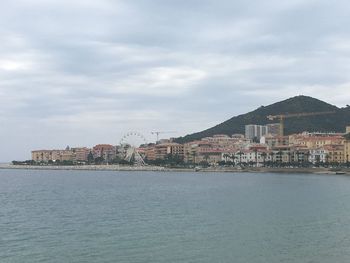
131	142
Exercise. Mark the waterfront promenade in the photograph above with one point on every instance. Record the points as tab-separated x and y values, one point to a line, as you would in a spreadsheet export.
318	170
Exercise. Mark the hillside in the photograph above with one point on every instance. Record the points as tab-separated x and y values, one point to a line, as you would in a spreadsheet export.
332	123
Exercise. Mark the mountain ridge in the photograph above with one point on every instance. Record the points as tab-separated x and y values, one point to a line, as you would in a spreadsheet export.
324	123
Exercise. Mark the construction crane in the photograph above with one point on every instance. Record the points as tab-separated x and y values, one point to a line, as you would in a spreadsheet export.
282	117
161	132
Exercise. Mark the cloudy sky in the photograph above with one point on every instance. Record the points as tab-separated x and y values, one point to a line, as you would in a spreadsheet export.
84	72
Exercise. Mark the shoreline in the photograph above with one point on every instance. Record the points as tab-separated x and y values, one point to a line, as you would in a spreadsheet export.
166	169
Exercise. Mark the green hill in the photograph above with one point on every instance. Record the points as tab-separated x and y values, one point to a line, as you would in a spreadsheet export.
324	123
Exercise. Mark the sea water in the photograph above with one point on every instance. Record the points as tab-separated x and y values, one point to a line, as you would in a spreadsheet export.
87	216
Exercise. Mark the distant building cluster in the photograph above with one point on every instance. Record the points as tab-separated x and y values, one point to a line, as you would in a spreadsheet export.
254	131
259	145
105	152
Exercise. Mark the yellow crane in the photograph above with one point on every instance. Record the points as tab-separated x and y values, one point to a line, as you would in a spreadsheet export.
282	117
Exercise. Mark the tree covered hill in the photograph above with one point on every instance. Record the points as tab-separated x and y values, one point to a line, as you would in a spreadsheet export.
324	123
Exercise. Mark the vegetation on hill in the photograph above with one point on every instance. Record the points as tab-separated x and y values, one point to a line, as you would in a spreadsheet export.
347	136
324	123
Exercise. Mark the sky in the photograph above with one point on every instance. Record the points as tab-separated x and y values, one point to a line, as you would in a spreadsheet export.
85	72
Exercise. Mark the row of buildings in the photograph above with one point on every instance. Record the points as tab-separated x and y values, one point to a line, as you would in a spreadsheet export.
238	148
79	154
297	148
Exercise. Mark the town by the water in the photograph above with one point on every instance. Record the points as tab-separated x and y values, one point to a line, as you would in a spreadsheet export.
262	147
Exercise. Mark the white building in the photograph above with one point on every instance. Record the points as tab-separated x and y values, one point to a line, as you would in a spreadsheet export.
257	131
319	155
246	157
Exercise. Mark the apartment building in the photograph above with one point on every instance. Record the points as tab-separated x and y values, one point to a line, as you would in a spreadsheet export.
53	155
328	154
162	150
335	153
274	141
257	131
210	155
191	150
106	151
318	155
347	151
253	131
81	153
312	142
41	155
222	140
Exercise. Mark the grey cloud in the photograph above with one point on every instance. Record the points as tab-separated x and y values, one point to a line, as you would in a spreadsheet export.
84	72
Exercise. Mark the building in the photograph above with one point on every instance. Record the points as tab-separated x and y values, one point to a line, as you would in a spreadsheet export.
237	136
347	150
318	155
209	155
222	140
41	155
251	156
162	150
150	152
322	141
192	149
46	156
299	154
67	155
205	151
81	154
78	154
335	153
253	131
106	151
282	154
328	154
175	149
312	141
274	141
273	129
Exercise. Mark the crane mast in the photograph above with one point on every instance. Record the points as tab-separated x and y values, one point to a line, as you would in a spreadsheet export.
157	133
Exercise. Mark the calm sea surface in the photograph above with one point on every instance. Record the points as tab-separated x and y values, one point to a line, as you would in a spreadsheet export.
86	216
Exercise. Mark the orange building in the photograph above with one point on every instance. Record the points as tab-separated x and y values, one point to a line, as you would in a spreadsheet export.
160	151
106	151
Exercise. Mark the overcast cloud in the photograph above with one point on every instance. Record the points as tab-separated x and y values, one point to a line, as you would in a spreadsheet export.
84	72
